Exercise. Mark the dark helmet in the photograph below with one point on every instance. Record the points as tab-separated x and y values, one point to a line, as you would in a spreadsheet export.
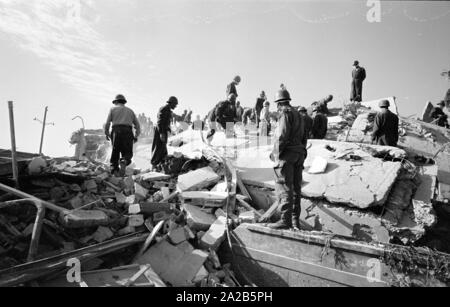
302	109
384	104
441	103
282	95
237	79
173	99
355	63
120	98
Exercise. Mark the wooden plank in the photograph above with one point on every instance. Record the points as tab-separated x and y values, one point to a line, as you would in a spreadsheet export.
242	186
244	204
269	213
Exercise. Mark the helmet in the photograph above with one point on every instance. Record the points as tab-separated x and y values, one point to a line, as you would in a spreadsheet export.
355	63
266	103
120	98
282	95
173	99
441	103
232	97
237	79
302	109
384	104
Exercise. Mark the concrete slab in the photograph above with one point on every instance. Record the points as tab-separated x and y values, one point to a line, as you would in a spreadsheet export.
198	179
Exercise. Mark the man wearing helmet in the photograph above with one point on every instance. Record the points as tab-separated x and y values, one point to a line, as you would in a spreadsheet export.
385	128
224	112
122	119
162	130
440	118
288	156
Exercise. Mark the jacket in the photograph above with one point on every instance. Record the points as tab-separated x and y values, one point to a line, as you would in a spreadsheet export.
385	129
164	119
289	134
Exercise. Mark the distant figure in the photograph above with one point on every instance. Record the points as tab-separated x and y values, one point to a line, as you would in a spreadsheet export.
358	76
438	115
122	119
239	112
248	116
231	88
265	125
447	99
198	124
308	123
320	124
161	132
188	117
259	106
288	156
385	129
323	104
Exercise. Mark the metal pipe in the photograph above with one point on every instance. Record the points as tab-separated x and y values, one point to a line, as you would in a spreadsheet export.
36	235
43	130
13	144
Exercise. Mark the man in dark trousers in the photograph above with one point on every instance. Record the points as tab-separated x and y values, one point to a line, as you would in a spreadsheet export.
122	119
438	115
358	76
162	130
308	123
320	124
288	156
259	106
231	88
385	128
447	99
239	112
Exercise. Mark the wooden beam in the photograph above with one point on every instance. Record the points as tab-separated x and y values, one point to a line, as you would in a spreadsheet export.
269	213
242	186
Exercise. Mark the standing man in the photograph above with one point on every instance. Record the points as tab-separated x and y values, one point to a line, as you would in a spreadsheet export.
288	156
438	115
239	112
308	124
122	119
259	106
358	76
385	129
320	124
447	99
161	132
265	120
231	88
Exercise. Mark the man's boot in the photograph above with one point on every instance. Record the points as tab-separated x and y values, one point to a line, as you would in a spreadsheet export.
283	223
296	223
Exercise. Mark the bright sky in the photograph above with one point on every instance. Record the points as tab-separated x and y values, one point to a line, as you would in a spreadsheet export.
75	56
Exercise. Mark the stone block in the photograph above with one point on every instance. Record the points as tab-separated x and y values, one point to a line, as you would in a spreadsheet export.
197	219
215	235
198	179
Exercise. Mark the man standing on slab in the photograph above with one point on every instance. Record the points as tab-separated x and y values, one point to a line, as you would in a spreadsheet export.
385	128
358	77
162	130
122	119
288	156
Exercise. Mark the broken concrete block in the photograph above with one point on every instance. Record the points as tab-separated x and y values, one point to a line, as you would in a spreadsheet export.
131	199
204	198
176	265
318	166
220	187
197	219
201	275
198	179
91	185
37	165
154	176
120	198
177	235
190	235
134	209
103	176
140	192
84	218
115	180
128	183
136	220
102	234
215	235
76	202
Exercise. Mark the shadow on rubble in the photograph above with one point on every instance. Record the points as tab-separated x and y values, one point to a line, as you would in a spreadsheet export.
247	270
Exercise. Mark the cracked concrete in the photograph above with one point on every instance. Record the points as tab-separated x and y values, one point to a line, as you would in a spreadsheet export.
362	184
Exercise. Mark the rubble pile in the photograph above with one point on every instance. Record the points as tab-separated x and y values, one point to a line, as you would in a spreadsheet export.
187	208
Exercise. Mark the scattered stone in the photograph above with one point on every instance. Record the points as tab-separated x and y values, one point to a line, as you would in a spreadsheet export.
177	235
140	192
248	217
102	234
198	179
160	216
91	185
126	230
204	198
198	219
154	176
136	220
84	218
215	235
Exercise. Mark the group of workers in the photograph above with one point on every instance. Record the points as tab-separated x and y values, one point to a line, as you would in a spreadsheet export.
294	127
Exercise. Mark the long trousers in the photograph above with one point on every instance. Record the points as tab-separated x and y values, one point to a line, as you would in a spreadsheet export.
122	139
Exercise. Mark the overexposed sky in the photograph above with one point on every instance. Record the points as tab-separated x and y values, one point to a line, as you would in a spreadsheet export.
74	56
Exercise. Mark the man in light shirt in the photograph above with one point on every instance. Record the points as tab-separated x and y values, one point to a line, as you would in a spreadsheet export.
122	138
